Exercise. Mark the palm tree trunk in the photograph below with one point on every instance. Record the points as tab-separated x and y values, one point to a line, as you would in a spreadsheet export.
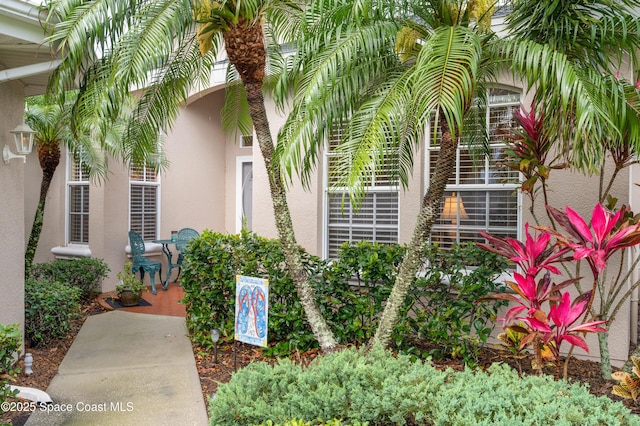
49	157
245	47
413	260
605	357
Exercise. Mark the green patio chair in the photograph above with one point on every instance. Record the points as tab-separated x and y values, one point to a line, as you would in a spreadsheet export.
141	263
184	236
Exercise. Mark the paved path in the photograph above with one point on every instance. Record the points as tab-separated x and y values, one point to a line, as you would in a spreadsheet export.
126	369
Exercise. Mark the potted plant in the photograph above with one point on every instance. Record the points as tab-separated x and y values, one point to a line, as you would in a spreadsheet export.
129	288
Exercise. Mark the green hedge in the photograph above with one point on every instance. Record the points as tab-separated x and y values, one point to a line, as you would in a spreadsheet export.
350	292
385	390
50	308
209	271
84	273
10	341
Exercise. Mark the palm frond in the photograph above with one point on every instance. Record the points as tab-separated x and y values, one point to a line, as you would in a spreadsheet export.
235	112
591	32
445	76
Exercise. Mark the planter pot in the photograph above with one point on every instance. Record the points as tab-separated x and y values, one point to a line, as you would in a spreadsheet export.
129	298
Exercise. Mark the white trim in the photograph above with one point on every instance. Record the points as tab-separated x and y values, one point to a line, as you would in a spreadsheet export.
373	225
243	144
28	70
22	10
240	161
158	186
71	251
66	197
67	200
150	249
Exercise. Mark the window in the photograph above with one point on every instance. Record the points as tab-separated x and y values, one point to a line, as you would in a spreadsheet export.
375	220
144	202
246	141
482	194
244	193
77	202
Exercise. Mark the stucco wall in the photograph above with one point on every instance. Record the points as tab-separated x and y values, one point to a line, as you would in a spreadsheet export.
305	205
12	224
193	188
53	220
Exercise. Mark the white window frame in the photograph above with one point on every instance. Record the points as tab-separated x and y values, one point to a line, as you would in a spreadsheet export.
373	189
247	141
457	187
144	182
70	182
240	162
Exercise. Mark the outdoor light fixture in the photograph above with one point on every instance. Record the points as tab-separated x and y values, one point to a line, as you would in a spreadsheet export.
23	138
28	363
215	336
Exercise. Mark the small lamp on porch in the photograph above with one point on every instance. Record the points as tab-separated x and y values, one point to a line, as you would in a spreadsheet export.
23	138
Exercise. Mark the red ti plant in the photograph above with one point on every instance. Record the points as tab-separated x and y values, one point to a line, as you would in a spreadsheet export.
529	152
563	315
608	233
594	242
533	256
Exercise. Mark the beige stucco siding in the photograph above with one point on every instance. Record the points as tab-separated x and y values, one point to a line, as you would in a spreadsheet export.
193	188
12	211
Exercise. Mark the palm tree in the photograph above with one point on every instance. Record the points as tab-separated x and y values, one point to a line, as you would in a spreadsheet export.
51	122
167	47
385	71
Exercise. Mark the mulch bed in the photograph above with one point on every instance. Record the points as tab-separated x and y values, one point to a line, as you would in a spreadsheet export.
47	358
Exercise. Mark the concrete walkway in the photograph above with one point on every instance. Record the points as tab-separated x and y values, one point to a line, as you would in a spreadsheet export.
126	369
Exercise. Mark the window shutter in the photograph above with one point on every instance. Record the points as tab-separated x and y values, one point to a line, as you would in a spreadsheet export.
77	202
143	203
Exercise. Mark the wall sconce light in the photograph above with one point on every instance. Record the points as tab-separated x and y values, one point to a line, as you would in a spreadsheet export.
23	138
453	209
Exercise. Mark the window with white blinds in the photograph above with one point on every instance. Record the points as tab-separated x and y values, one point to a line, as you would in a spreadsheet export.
143	202
77	202
376	219
482	194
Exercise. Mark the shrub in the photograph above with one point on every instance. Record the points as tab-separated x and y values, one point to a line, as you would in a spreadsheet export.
446	306
83	273
209	271
50	308
379	388
355	286
350	292
10	340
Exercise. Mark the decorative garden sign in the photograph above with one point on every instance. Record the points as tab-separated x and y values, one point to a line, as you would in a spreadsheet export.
252	307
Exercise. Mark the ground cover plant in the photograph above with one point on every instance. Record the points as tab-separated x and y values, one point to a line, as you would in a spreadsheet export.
380	388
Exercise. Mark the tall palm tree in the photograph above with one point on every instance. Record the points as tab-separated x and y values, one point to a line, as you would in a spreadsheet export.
166	47
384	71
